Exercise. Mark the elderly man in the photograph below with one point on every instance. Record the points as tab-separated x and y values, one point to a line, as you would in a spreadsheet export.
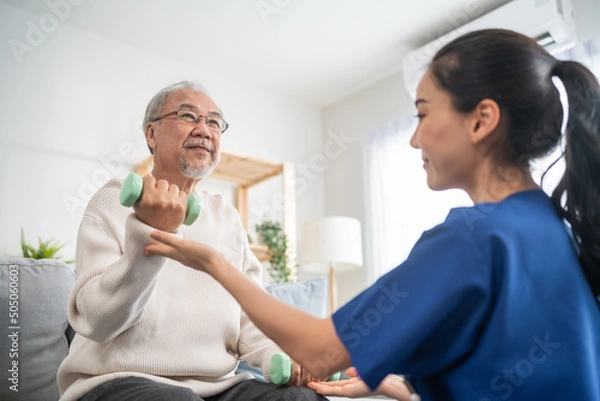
149	328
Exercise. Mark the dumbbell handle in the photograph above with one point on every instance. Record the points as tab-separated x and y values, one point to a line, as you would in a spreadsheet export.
131	191
281	369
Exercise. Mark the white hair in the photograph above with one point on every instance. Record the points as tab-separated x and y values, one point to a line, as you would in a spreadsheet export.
158	101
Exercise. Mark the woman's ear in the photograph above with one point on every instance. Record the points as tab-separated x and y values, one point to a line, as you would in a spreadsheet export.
484	120
149	134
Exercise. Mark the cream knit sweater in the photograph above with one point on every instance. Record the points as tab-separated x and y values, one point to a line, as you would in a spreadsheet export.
151	316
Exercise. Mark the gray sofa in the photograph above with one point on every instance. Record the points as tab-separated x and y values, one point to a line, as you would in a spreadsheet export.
35	334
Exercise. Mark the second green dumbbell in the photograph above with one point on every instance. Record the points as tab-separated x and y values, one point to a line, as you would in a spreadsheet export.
132	190
281	369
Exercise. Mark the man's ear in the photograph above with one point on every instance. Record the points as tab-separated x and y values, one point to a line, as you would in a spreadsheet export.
483	120
149	134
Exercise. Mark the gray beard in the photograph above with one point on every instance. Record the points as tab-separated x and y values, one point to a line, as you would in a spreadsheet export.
195	173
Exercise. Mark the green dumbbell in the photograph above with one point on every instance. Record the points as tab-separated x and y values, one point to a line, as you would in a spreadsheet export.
281	369
132	191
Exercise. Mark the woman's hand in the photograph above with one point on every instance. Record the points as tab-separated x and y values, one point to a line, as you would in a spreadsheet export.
392	386
193	254
352	388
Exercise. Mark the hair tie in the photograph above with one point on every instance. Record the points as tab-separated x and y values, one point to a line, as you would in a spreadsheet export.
557	67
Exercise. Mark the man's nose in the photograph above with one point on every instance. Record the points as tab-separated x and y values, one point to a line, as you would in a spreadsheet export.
201	129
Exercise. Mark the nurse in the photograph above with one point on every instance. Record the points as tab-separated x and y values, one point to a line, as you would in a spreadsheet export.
498	301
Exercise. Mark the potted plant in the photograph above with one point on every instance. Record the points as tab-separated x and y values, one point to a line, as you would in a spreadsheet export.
272	235
45	249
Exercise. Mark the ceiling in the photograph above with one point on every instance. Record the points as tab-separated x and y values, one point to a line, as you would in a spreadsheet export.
316	51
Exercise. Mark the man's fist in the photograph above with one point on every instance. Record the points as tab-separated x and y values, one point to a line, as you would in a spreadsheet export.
162	205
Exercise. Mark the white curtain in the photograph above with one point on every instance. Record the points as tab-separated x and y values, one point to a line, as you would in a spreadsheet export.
587	53
399	205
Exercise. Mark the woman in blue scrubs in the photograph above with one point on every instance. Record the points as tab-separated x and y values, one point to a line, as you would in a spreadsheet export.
501	299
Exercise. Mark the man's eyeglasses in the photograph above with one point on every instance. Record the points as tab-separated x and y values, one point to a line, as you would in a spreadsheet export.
189	117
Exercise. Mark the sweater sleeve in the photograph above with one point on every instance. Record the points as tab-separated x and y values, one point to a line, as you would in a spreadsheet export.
114	277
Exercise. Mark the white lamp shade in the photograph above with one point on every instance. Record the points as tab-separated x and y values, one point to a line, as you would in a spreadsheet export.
331	241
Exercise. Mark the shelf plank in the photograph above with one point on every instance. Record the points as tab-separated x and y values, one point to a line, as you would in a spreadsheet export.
261	252
145	166
245	171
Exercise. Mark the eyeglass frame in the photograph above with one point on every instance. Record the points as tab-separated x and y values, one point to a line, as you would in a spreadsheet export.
200	116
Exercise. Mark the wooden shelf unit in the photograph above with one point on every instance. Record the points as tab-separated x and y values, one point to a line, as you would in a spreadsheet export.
246	172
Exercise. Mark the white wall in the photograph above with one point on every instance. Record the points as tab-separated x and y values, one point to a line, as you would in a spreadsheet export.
71	112
586	14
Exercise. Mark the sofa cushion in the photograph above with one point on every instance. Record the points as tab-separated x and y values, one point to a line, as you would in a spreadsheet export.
310	296
33	335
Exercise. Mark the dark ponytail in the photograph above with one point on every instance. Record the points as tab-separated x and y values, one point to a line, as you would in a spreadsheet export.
516	72
577	196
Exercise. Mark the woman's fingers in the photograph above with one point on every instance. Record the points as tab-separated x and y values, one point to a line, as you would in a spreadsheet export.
154	249
163	244
329	384
164	238
326	388
190	253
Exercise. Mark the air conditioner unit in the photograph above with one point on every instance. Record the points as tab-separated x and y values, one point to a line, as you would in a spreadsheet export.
550	22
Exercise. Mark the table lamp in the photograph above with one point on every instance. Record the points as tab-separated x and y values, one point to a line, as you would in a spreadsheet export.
330	244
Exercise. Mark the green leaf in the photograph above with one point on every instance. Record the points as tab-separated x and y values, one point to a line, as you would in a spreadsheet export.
45	249
272	235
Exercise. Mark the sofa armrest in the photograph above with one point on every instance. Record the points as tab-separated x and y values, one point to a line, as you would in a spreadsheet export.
33	302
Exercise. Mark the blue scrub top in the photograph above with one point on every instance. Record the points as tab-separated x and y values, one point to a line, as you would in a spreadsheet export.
492	304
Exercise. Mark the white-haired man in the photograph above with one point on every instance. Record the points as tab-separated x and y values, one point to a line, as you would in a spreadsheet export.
150	328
